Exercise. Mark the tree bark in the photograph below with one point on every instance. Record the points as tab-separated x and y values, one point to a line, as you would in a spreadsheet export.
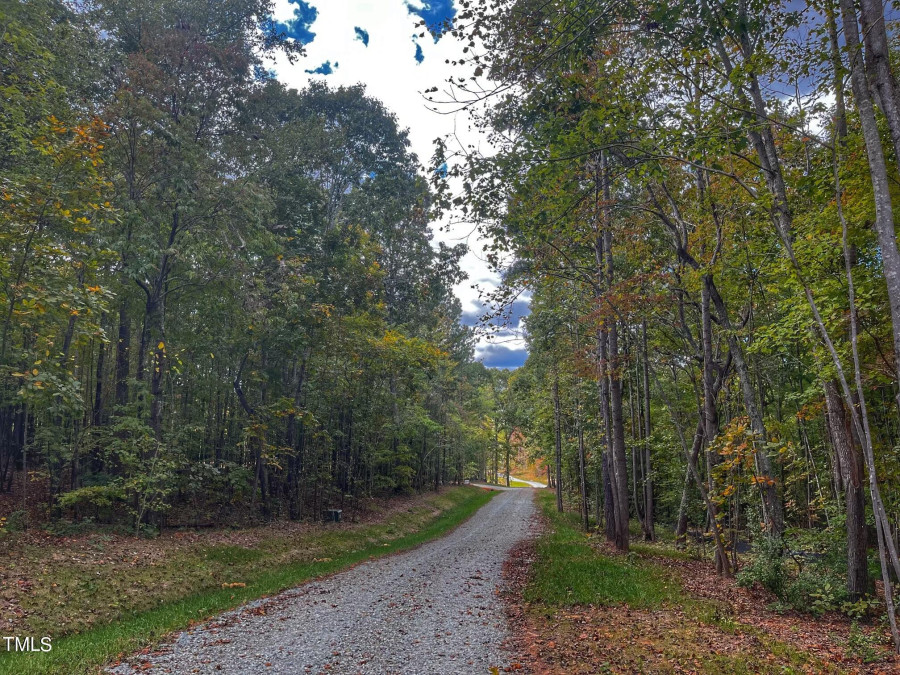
884	218
558	439
649	530
851	465
123	353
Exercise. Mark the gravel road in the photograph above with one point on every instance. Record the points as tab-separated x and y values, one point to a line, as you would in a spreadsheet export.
430	610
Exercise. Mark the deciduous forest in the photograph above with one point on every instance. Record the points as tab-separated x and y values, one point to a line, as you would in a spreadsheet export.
219	296
699	199
222	305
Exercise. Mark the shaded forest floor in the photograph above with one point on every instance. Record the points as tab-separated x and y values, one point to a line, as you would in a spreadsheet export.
576	606
58	585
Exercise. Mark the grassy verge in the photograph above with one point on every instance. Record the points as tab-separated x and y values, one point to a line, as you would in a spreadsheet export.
133	630
593	612
569	571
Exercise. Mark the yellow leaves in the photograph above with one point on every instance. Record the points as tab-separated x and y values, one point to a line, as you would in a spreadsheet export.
94	289
325	310
161	346
391	337
34	372
236	584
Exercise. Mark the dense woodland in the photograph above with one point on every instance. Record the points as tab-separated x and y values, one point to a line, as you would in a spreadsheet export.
698	197
221	301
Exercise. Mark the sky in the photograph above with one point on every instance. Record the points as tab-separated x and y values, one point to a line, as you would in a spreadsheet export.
379	43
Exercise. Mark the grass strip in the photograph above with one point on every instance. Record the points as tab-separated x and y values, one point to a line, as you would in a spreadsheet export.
86	652
569	571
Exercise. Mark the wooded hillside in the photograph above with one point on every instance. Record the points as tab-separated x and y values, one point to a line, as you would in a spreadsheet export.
220	297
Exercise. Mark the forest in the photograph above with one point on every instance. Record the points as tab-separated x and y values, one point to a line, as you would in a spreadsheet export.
223	304
220	296
698	199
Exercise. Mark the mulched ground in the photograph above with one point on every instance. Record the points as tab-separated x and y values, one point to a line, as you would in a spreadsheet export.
592	640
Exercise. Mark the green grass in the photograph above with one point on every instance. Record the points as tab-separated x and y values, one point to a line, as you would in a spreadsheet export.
85	652
517	483
569	571
660	550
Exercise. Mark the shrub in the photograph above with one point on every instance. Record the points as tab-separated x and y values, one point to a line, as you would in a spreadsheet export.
816	587
863	645
815	590
15	522
766	566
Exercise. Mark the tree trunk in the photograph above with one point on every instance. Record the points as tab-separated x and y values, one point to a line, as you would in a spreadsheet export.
772	506
878	66
558	439
649	530
123	353
850	462
97	416
582	480
619	457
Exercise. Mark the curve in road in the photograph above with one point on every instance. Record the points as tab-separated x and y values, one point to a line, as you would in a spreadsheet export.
430	610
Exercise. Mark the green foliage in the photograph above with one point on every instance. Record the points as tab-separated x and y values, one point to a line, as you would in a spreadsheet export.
95	496
220	295
15	522
805	581
767	566
863	645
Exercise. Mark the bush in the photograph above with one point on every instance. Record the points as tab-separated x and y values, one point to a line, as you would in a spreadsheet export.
15	522
815	590
766	567
817	587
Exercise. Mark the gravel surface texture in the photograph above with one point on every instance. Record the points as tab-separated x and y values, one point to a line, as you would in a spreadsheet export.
430	610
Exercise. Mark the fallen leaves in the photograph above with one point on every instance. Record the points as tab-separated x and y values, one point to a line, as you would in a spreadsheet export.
740	635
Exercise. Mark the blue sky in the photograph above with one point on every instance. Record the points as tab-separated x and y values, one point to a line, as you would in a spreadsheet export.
297	26
438	15
381	44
